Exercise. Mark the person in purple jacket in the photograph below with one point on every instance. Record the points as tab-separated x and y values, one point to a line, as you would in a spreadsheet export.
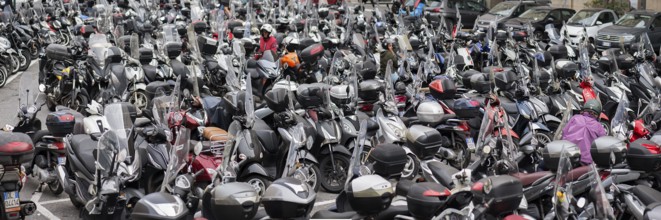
584	128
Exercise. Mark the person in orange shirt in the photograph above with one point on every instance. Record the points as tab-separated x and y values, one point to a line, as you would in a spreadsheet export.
290	61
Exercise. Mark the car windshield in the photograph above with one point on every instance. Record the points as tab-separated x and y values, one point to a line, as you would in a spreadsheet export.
535	14
583	18
504	8
634	20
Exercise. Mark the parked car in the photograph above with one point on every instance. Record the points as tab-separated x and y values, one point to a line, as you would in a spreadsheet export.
588	20
629	29
504	11
468	9
539	17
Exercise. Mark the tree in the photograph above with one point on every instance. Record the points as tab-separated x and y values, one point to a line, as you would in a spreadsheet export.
619	6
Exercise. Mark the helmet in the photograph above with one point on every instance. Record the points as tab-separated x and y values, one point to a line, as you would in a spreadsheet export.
592	105
291	43
267	28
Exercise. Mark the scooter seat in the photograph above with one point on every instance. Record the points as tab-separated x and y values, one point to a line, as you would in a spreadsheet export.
529	178
84	148
403	186
393	211
326	214
510	108
646	194
214	134
577	89
576	173
15	144
443	173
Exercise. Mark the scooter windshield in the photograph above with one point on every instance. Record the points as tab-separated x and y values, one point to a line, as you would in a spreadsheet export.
619	126
600	203
98	45
119	115
645	49
112	149
29	93
552	33
562	196
485	126
178	154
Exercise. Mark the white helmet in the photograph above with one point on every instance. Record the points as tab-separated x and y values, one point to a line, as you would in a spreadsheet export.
267	28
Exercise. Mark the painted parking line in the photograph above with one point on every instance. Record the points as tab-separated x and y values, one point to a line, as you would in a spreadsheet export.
41	209
54	201
12	77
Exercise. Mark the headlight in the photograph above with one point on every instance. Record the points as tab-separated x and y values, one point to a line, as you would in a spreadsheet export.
400	133
182	182
628	37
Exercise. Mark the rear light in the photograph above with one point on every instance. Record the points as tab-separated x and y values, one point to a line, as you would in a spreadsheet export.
436	10
66	117
654	149
604	174
463	126
56	146
400	98
366	108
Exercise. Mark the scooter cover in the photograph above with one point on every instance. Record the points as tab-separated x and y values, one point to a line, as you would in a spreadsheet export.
582	129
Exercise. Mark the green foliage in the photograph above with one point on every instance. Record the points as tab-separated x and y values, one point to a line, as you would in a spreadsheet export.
619	6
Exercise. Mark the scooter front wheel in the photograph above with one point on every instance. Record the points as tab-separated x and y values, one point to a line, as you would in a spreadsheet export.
333	180
260	183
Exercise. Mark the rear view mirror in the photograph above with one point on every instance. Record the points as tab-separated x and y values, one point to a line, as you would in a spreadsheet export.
198	148
599	23
550	19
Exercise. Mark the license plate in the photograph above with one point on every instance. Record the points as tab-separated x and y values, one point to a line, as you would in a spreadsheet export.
61	160
607	44
11	199
470	143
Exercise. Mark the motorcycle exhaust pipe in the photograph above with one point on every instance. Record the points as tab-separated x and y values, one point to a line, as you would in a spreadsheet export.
446	153
28	208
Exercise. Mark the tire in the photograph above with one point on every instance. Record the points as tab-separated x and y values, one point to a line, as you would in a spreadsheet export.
460	149
36	138
552	126
33	47
76	203
24	58
606	126
139	99
411	168
15	63
260	183
3	76
78	104
51	105
313	174
333	180
56	187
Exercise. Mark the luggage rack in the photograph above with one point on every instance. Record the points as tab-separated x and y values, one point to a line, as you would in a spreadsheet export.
217	148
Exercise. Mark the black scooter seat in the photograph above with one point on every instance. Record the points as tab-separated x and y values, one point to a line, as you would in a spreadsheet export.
646	194
443	173
84	148
510	108
326	214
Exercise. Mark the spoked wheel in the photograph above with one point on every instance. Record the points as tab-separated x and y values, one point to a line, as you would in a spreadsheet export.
258	182
309	174
462	154
3	76
411	168
24	60
65	39
139	99
333	180
543	138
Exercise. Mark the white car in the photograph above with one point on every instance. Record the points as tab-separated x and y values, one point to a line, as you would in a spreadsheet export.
591	20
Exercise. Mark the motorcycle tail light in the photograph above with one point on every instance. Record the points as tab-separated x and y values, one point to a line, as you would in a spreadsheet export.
366	108
56	145
605	174
400	99
463	126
